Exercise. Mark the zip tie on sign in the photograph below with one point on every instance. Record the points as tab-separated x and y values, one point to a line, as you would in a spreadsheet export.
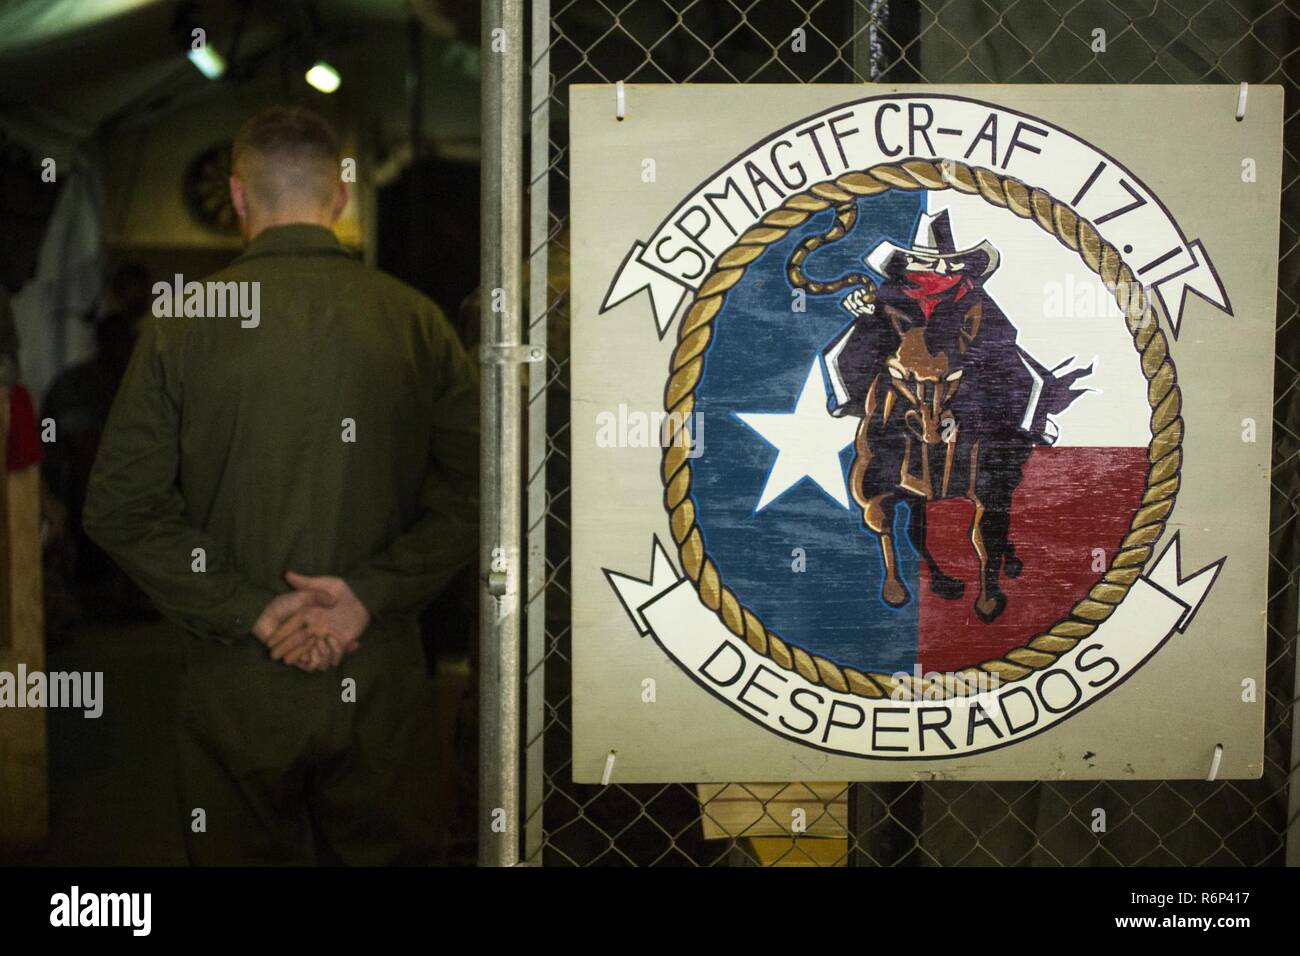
609	761
620	101
1241	102
1214	764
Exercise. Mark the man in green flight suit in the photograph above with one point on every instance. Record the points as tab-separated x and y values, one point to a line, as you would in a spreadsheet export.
291	484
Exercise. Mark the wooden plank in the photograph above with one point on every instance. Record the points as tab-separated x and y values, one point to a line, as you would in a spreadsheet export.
814	852
24	762
768	809
6	586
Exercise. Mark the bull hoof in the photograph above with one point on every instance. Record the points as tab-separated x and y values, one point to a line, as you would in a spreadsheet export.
988	609
1012	566
950	589
894	593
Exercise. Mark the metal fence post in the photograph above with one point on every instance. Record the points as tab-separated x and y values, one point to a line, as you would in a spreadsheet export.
501	455
539	158
1293	775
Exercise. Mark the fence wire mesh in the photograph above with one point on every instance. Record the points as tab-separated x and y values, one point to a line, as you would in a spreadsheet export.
920	823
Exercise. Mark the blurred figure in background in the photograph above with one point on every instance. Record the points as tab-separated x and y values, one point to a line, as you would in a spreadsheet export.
8	342
78	573
20	443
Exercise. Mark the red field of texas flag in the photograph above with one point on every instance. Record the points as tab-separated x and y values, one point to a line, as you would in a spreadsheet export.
1071	502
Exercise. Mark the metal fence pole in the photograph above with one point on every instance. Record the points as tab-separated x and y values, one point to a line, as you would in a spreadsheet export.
868	41
1293	776
539	154
502	411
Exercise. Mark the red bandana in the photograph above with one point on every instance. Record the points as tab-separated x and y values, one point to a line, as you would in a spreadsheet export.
929	289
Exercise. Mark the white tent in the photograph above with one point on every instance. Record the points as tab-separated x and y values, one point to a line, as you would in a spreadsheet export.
102	91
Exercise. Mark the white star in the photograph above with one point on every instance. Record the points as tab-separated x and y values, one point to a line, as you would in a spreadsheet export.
808	442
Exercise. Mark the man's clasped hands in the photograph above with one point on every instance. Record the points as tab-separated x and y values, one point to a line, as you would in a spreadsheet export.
313	626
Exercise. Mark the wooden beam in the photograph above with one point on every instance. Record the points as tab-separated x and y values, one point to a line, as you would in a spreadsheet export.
24	764
6	584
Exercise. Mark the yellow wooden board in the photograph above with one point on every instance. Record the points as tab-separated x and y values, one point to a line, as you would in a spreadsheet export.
768	809
24	771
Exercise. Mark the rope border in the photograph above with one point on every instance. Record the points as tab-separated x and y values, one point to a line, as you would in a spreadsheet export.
1164	453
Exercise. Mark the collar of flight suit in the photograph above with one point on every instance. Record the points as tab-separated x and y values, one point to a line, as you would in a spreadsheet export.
295	239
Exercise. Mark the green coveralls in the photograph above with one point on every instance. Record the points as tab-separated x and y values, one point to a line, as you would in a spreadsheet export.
234	440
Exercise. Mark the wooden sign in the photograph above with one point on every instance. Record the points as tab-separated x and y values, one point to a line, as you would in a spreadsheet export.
921	432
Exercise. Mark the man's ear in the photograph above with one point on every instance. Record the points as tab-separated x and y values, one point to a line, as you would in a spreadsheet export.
340	201
239	197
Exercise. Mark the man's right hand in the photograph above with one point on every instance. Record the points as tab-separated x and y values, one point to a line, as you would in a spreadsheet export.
860	303
318	637
284	606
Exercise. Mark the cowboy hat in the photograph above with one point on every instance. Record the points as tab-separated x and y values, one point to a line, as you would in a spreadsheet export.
933	240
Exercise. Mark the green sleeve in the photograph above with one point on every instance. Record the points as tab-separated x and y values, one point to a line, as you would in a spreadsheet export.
135	512
443	538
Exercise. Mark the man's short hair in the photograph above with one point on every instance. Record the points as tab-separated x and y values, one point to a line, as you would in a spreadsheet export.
287	154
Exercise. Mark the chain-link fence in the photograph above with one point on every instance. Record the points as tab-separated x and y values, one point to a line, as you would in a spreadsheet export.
963	41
